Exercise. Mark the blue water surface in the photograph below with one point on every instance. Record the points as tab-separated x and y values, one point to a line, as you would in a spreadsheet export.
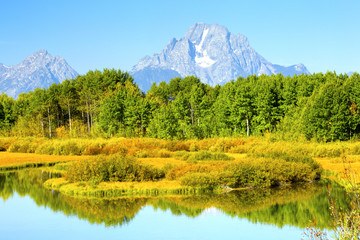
21	218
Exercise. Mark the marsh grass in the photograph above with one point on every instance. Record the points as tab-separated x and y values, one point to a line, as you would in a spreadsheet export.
240	162
149	147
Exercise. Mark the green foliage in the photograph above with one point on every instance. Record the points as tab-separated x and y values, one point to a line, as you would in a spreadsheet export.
107	103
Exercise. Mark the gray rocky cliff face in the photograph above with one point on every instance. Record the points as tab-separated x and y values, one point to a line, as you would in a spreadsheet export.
211	53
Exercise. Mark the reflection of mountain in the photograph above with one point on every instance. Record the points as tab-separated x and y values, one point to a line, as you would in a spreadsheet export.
289	206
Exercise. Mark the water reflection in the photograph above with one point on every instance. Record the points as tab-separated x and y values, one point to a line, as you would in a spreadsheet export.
294	206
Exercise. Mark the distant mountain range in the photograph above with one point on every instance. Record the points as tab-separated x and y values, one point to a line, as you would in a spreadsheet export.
38	70
211	53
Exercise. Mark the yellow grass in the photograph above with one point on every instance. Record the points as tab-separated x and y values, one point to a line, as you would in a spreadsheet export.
327	154
337	166
8	159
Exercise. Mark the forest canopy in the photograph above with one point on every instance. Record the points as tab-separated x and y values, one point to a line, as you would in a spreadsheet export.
108	103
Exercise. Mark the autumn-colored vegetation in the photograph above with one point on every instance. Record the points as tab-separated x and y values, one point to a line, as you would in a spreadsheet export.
191	165
21	160
206	164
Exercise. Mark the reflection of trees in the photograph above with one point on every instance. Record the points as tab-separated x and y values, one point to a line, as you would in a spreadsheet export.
285	206
299	213
291	206
112	212
295	206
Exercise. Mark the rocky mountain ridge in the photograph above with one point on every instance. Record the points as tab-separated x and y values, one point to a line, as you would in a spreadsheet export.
38	70
211	53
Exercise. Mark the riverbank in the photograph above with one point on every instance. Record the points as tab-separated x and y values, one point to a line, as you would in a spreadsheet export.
172	166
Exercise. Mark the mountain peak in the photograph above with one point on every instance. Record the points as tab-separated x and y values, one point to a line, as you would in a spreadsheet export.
41	52
196	31
210	52
38	70
38	58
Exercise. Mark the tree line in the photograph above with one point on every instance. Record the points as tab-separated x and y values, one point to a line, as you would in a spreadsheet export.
109	103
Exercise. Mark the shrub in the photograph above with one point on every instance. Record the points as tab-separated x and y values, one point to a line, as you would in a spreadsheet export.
159	153
329	151
182	155
163	153
204	155
295	155
193	147
114	168
180	146
267	173
23	146
141	154
239	149
46	148
167	167
201	180
220	146
114	148
67	148
92	150
259	172
355	150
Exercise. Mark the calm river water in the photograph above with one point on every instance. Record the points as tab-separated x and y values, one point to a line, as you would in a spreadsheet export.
29	211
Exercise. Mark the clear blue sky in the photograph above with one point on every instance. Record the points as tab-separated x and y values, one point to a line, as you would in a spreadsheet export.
322	34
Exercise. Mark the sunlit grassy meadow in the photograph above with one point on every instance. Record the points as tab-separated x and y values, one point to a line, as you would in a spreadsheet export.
152	166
